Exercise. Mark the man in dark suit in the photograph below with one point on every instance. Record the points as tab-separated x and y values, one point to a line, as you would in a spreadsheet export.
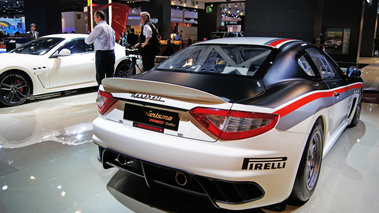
33	34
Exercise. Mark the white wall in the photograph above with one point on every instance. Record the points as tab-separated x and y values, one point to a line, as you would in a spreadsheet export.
188	31
74	21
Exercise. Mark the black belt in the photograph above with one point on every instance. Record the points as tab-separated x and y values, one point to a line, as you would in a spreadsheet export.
105	51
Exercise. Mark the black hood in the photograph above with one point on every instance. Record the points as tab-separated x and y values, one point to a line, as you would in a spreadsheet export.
231	88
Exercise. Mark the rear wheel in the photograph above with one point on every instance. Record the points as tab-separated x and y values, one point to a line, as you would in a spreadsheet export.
310	165
14	88
124	69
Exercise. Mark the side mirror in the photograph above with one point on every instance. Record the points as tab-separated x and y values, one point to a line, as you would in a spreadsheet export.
353	72
64	52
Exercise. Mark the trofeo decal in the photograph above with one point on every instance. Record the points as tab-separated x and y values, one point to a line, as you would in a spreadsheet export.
158	115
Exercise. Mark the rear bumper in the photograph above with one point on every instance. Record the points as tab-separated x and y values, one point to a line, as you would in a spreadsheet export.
218	191
265	165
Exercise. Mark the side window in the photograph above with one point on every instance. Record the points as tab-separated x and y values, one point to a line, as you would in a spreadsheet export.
78	46
335	69
304	64
325	67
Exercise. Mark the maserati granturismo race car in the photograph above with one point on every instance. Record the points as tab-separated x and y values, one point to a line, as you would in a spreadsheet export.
244	122
50	64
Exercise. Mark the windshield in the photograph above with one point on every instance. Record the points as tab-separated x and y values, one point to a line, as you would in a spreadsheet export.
221	59
38	47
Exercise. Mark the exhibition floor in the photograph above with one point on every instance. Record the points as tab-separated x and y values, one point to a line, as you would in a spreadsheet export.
48	164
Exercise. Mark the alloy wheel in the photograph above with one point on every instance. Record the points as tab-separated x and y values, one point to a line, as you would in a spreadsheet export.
313	160
14	89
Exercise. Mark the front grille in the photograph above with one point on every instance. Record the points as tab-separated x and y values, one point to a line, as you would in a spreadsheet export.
216	190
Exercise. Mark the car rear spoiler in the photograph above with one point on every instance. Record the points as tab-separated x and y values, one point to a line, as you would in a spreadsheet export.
177	92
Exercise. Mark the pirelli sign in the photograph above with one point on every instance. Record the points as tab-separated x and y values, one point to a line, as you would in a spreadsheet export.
264	163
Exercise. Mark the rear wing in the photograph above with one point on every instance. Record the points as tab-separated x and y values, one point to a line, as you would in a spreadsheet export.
173	91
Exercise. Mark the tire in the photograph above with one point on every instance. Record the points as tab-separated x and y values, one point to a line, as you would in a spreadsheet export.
124	70
357	115
14	88
310	165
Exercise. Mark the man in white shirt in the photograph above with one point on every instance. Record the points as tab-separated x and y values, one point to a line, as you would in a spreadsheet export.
104	38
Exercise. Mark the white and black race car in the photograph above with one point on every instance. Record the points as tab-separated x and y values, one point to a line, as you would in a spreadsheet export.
242	121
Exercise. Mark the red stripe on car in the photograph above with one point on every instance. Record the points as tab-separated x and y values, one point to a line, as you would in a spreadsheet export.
312	97
277	42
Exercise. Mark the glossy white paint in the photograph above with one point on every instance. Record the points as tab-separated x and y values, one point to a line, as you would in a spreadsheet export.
217	158
52	74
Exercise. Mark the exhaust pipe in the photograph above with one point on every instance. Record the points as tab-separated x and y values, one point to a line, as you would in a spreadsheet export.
122	160
181	178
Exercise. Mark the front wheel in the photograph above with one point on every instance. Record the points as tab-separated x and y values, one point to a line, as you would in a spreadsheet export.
14	88
310	165
125	69
357	116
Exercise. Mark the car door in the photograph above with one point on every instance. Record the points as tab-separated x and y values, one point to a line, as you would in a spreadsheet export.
332	76
76	68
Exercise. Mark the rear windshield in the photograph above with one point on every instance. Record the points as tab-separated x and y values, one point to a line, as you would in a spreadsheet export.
221	59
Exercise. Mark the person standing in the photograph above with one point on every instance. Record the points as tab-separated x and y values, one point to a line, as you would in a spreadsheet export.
132	38
189	41
124	38
33	34
104	38
148	42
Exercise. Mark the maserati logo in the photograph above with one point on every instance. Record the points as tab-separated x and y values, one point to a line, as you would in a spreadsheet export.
147	97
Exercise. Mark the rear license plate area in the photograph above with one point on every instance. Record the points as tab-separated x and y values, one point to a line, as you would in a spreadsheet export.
151	117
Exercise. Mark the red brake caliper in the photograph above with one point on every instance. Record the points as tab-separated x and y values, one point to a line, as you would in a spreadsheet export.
18	81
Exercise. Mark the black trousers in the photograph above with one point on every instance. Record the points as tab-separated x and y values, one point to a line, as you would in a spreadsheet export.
148	57
148	62
105	60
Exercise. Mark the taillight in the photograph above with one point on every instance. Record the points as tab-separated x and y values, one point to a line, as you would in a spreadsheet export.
104	101
233	125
